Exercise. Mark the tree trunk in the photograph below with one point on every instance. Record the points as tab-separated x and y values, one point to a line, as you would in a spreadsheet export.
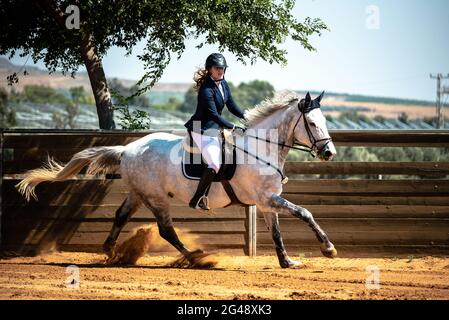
98	82
93	65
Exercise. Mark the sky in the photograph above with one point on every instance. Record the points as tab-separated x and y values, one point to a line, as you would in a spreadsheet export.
383	48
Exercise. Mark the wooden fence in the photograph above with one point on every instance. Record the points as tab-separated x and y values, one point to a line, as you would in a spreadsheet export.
362	217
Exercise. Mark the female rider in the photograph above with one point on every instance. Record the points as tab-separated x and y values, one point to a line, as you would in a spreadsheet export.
213	93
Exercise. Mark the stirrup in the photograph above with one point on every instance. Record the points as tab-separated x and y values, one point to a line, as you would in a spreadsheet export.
204	205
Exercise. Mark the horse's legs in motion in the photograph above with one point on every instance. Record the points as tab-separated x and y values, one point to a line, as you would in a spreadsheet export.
280	205
165	225
272	222
122	216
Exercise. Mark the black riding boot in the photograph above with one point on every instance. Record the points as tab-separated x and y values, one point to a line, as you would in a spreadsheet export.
199	200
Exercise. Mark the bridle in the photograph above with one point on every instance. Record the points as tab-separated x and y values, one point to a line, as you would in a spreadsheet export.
313	149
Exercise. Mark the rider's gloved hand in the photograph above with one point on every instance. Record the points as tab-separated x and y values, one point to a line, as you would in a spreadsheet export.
239	130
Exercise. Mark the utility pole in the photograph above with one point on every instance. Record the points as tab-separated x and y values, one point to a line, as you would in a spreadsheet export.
441	91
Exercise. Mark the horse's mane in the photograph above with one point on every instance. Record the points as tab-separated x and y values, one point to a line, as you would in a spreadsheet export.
281	100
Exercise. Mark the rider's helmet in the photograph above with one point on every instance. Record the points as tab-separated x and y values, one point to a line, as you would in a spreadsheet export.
216	60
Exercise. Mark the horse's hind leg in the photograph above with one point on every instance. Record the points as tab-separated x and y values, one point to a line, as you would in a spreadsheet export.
122	216
272	223
160	210
280	205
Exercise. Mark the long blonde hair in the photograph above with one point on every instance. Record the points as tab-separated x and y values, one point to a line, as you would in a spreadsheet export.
199	77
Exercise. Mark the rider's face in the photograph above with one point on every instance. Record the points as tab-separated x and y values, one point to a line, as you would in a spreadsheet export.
217	72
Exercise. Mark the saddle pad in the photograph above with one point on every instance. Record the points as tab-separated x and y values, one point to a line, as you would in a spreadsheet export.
193	169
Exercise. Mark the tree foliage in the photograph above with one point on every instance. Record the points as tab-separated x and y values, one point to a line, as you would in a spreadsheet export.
130	119
140	101
250	29
7	115
42	95
190	101
250	94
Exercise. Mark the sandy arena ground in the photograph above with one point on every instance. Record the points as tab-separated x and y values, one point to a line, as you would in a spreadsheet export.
234	277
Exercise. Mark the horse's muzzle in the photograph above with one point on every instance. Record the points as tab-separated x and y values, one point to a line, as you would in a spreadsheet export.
326	154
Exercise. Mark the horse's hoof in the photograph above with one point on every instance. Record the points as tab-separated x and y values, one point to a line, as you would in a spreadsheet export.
195	255
110	254
195	259
329	252
109	248
291	264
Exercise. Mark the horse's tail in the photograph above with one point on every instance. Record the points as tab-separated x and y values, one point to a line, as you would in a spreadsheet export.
99	160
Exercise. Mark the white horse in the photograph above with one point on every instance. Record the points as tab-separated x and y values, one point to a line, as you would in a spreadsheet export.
148	168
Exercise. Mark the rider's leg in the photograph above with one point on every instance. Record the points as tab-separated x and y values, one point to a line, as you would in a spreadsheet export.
210	149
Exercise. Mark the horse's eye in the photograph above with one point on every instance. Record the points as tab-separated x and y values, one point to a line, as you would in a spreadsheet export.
313	124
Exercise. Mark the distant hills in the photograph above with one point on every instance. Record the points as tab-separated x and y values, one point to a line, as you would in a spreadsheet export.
38	76
58	81
333	104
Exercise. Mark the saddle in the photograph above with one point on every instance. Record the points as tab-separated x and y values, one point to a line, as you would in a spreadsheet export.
193	164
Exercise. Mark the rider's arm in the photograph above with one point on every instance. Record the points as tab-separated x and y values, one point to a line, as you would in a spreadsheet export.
208	95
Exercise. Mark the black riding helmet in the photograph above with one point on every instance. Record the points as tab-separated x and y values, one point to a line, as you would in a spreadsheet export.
216	60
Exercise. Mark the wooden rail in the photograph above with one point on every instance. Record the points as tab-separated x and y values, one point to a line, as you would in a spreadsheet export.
362	216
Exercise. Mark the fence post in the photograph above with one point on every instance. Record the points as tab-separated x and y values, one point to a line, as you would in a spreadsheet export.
1	184
251	213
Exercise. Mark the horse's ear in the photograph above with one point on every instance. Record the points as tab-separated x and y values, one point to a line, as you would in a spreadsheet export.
308	98
318	99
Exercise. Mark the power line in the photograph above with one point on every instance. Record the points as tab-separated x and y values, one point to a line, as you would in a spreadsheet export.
441	92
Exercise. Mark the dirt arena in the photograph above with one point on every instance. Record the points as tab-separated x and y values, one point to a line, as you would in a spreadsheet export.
234	277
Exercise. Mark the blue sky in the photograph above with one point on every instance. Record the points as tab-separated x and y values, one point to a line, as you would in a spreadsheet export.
355	56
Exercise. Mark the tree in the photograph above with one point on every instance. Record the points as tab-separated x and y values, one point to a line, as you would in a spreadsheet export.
249	29
190	101
73	107
252	93
353	116
43	95
403	117
7	115
59	120
119	88
380	118
77	94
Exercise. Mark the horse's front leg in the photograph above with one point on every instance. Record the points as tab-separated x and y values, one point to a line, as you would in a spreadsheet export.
272	222
282	206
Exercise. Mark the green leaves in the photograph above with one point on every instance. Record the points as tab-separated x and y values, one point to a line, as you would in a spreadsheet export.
130	120
248	28
7	114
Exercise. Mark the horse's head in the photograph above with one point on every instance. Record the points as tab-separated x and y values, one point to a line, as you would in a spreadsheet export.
311	129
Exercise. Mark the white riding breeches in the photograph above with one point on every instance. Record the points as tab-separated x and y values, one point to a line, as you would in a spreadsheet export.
210	149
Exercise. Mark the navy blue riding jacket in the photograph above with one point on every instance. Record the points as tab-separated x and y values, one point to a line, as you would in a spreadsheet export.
211	104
